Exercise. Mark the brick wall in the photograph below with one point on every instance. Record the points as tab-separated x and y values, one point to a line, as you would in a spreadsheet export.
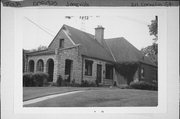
73	55
94	71
45	58
150	73
55	43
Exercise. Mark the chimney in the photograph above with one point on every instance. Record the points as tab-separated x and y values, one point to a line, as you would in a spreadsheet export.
99	34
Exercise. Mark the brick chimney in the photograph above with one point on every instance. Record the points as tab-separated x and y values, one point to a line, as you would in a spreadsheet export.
99	34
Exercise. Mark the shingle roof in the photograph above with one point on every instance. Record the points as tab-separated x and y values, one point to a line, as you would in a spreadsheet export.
124	51
90	46
115	49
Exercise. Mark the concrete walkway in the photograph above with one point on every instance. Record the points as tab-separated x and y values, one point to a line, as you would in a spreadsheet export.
48	97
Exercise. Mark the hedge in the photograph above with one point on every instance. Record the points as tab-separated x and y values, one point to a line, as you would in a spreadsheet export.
35	79
40	78
143	85
85	83
28	80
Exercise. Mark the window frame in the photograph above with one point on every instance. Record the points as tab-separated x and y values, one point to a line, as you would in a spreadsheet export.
88	70
61	43
108	74
142	73
40	65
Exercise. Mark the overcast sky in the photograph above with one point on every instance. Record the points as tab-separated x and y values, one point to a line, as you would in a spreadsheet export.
40	26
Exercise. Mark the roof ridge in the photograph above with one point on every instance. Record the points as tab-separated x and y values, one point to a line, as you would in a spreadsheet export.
78	29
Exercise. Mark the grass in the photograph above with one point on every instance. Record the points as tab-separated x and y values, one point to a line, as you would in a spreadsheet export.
105	97
35	92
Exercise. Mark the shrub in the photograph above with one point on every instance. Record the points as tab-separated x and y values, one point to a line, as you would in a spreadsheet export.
97	82
85	83
27	80
73	83
40	78
143	85
59	81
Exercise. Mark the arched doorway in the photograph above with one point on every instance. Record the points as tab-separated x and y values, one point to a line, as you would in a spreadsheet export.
50	69
31	66
40	65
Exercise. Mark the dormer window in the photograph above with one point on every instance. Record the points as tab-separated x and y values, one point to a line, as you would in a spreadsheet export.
61	43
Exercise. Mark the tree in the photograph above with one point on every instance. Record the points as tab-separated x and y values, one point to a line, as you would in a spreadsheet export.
153	28
41	47
152	50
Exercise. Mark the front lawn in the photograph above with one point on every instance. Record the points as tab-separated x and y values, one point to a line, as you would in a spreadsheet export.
105	97
34	92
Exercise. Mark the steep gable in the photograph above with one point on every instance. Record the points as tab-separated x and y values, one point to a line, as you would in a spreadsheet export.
88	45
62	34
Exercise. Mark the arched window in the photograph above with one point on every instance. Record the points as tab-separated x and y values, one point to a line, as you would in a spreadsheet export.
40	65
31	66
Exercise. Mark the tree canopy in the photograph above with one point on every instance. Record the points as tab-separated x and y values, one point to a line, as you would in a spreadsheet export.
152	50
153	28
41	47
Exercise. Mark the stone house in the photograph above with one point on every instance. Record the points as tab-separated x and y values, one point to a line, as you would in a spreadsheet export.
77	55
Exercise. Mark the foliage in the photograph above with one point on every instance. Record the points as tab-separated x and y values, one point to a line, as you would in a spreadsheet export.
151	52
35	79
153	28
127	70
86	83
143	85
27	80
41	47
40	78
59	80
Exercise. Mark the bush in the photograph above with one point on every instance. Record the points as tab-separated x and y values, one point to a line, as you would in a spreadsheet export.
143	85
40	78
85	83
27	80
59	81
35	79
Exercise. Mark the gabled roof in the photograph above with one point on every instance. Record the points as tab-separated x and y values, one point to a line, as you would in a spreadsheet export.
117	50
124	51
89	45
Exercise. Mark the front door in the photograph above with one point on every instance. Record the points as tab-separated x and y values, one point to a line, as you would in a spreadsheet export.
99	73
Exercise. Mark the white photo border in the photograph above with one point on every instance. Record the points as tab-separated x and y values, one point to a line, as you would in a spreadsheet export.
162	64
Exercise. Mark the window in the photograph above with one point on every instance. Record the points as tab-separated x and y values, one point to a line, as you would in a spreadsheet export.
88	67
61	43
109	71
31	66
40	66
142	72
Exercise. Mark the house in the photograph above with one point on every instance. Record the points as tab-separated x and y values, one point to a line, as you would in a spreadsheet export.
77	55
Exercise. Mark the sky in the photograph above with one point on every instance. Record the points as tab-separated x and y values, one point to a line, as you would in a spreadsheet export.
40	26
